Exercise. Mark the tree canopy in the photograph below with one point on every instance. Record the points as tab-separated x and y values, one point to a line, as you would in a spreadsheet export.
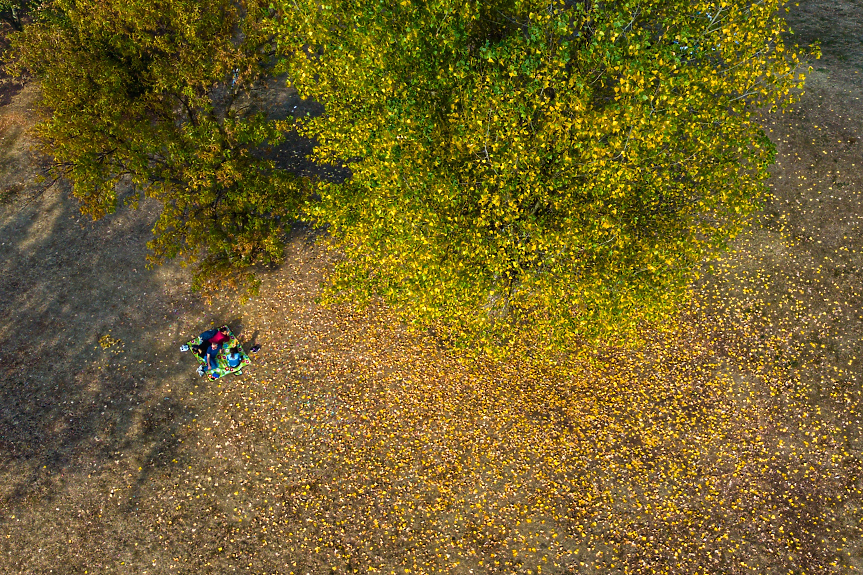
162	94
550	170
547	172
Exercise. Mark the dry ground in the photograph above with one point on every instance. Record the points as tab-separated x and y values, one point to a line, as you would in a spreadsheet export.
730	446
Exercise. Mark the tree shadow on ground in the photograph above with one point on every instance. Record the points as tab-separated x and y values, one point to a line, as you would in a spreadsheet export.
78	324
88	380
294	154
8	90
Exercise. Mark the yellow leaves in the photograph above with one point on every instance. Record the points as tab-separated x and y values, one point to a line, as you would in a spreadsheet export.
107	341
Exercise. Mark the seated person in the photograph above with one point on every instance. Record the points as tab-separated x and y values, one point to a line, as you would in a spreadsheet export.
212	356
221	336
234	357
218	336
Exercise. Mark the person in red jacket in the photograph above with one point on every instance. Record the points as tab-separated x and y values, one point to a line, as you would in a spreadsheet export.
219	337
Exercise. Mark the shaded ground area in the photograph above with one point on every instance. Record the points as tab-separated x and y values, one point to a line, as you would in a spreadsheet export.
730	446
835	26
293	153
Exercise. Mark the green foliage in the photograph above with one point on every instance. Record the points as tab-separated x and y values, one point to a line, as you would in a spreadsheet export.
161	95
13	11
546	172
541	172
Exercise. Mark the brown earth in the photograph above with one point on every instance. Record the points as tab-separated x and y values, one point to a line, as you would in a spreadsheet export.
730	446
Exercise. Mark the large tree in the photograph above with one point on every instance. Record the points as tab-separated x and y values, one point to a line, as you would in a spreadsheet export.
543	170
161	94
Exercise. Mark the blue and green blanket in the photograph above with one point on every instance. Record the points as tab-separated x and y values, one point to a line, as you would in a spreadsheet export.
223	368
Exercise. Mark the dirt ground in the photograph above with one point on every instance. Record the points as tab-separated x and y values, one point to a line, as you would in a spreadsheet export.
729	446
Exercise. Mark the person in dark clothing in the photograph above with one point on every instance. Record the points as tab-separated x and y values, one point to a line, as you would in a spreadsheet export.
218	336
212	356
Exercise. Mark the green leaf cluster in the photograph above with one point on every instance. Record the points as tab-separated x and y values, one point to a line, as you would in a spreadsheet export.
543	172
162	95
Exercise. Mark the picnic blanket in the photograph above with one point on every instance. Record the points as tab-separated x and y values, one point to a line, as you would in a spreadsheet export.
223	368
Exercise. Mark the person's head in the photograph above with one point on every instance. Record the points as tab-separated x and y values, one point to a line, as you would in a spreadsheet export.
214	345
224	330
235	350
